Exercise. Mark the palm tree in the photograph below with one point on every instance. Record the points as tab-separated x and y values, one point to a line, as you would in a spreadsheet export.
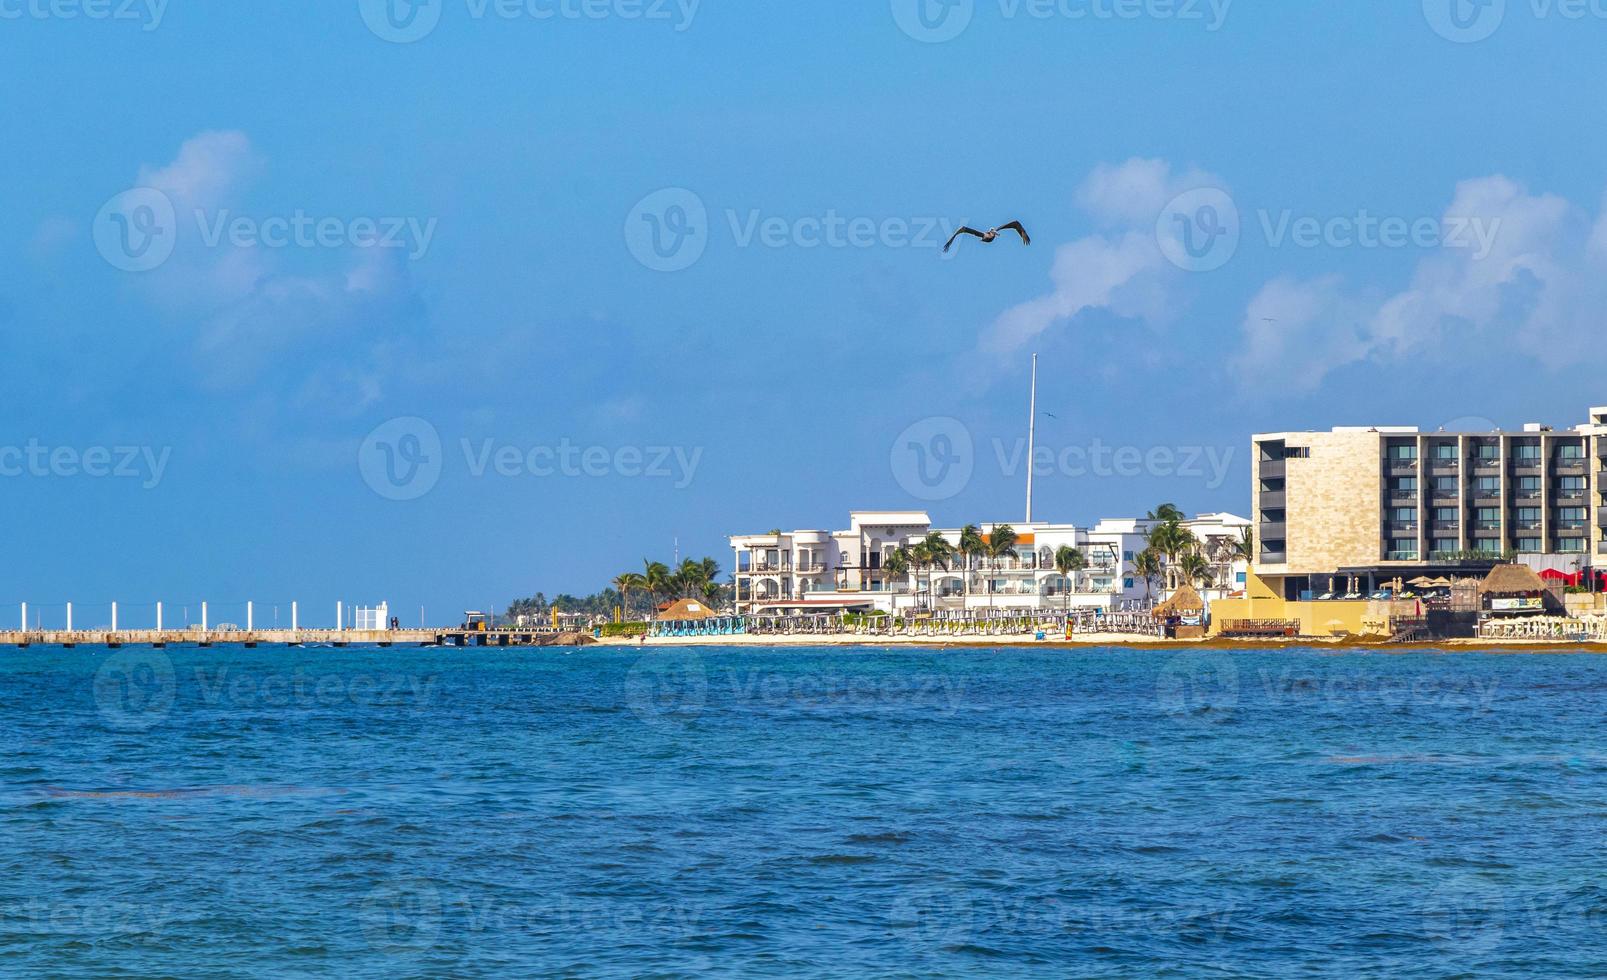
933	552
1147	566
1068	562
1167	514
971	545
656	578
1196	569
898	564
1001	544
1244	548
626	583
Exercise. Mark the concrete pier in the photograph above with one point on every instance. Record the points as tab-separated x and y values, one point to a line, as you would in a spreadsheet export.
204	637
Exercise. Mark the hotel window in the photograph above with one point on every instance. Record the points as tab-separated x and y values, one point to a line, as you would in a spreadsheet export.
1570	545
1527	452
1403	515
1403	453
1403	549
1489	451
1572	514
1487	546
1297	452
1447	515
1404	484
1446	483
1529	484
1444	546
1445	451
1571	451
1529	515
1572	484
1489	483
1488	515
1529	546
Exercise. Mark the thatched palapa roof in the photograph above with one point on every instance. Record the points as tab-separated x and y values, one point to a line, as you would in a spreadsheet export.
1184	602
686	609
1511	580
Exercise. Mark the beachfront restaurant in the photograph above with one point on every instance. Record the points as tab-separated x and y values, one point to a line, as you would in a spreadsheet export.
1515	591
689	617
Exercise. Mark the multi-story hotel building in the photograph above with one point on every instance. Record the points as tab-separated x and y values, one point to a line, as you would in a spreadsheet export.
1367	505
845	570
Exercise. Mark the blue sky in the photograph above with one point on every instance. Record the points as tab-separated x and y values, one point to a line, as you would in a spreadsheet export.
487	192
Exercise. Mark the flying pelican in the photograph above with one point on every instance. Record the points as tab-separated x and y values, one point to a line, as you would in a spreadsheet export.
992	234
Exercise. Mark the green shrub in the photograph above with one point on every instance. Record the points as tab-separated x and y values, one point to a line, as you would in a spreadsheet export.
625	629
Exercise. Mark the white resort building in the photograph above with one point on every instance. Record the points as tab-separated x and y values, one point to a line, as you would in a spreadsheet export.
835	571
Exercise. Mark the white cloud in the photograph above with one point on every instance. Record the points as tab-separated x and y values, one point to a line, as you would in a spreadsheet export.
1122	270
1540	290
321	334
209	166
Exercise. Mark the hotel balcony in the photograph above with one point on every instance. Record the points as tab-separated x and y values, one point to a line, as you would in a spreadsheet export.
1444	467
1484	466
1274	531
1404	495
1451	527
1274	557
1273	499
1601	518
810	567
1568	467
1527	467
1401	467
1273	469
1401	556
1569	525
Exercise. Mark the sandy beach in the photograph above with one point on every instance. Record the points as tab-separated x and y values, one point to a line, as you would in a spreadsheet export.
1083	640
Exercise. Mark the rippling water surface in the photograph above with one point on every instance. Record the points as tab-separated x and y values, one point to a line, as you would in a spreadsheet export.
385	813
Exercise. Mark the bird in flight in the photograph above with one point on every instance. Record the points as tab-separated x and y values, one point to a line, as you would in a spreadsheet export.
991	235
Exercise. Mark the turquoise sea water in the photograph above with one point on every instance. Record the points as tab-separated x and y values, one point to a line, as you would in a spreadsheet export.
380	813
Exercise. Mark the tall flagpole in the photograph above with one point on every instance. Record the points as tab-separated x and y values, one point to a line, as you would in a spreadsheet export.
1032	435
